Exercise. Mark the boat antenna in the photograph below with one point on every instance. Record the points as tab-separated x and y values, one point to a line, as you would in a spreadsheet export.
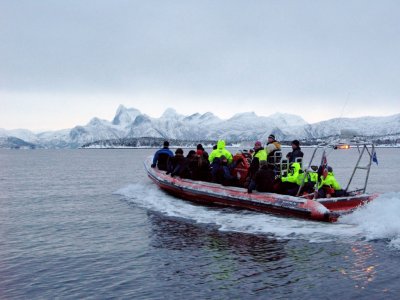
338	120
345	104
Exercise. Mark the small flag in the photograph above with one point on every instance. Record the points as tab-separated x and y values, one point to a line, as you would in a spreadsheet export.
374	158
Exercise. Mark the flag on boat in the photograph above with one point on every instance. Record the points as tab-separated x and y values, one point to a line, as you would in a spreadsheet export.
374	157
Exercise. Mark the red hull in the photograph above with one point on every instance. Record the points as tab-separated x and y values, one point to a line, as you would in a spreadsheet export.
214	194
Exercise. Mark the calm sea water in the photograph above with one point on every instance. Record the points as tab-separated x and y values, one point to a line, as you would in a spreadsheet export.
90	224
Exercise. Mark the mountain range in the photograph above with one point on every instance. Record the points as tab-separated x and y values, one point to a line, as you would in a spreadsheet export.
130	123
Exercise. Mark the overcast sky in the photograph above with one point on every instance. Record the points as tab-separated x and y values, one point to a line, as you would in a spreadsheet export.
64	62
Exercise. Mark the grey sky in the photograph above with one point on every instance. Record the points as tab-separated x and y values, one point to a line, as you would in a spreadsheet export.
317	59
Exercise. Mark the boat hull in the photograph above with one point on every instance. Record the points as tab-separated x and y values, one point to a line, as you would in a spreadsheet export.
208	193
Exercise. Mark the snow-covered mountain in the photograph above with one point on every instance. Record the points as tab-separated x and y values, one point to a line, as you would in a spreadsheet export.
131	123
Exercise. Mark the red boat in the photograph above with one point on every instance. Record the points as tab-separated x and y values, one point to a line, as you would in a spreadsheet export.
325	209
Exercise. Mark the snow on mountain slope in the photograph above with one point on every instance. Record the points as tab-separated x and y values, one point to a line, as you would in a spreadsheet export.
125	116
367	126
131	123
23	134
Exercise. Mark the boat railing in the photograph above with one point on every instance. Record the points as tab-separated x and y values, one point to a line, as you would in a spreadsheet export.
363	149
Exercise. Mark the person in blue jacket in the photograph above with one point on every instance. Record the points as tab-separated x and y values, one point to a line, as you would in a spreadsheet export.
161	157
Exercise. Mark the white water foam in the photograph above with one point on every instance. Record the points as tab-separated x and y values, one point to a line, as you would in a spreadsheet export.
380	219
377	220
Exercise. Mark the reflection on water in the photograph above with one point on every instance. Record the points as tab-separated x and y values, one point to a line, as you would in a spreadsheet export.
262	265
65	235
360	268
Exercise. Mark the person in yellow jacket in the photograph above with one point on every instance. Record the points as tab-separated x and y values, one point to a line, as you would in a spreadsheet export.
259	152
220	151
291	182
295	175
328	185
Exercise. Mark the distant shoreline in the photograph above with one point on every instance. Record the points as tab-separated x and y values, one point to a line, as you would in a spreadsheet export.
207	147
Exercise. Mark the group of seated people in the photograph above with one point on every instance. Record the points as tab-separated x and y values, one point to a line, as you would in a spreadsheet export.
261	169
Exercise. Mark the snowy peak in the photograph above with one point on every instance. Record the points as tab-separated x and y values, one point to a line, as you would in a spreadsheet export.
244	116
124	116
23	134
202	118
287	119
209	116
171	113
131	123
98	122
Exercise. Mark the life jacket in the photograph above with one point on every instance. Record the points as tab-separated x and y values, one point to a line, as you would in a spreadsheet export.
329	181
261	154
220	151
295	176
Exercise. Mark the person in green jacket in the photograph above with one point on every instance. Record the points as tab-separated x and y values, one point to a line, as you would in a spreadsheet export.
291	182
260	152
328	185
220	151
295	175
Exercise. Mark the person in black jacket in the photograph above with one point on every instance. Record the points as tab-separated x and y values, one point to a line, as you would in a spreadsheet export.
296	152
186	171
263	180
176	163
200	166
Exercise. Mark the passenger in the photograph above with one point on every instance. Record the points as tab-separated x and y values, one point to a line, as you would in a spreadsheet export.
291	183
310	181
176	163
220	151
200	166
214	168
296	152
191	154
272	145
329	187
260	152
253	168
201	151
264	179
223	173
259	157
186	171
161	157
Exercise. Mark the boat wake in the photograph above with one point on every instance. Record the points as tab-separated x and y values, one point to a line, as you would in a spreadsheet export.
380	219
377	220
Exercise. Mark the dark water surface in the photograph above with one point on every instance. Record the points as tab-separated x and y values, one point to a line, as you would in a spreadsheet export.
90	224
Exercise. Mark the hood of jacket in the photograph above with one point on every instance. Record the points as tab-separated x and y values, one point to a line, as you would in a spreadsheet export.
296	167
221	145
